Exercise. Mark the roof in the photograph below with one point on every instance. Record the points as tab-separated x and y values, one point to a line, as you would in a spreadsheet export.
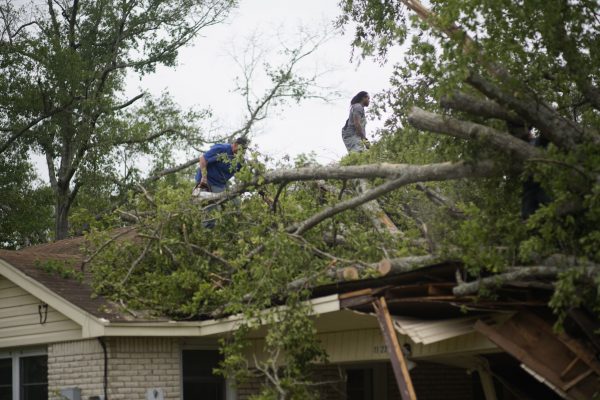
32	260
72	290
425	292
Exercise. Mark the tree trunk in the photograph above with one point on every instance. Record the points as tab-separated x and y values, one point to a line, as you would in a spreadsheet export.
61	216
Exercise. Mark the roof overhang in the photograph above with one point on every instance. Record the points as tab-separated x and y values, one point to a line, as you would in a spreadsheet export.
212	327
93	326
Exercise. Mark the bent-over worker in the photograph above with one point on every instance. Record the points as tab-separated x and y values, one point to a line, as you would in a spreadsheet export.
216	165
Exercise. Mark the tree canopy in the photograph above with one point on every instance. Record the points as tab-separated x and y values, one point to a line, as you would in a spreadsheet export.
480	81
63	68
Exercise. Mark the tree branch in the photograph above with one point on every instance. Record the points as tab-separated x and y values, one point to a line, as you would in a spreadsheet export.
515	274
128	103
502	141
452	171
482	107
559	130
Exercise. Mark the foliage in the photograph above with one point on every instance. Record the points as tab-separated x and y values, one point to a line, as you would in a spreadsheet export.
25	214
61	268
545	53
243	265
63	67
527	67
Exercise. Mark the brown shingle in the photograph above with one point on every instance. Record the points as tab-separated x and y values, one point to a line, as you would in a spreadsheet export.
31	260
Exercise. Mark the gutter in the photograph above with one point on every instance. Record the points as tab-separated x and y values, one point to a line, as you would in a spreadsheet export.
321	305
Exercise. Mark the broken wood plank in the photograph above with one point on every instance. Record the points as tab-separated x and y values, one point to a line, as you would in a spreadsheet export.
518	352
355	293
569	367
356	301
397	359
577	348
578	379
532	341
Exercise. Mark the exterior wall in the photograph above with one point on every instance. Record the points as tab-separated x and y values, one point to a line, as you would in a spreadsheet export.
331	377
435	382
431	382
76	364
365	345
20	320
134	366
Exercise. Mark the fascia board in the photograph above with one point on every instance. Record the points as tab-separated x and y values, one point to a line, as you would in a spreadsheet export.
321	305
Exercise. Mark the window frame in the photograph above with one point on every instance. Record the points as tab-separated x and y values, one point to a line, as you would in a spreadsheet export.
16	355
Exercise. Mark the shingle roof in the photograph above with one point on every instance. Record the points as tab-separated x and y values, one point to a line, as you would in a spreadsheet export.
31	261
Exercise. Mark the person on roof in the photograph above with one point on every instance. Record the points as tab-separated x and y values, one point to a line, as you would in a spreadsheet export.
353	132
217	165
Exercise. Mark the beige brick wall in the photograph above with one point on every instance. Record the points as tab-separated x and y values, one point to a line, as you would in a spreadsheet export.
75	364
134	365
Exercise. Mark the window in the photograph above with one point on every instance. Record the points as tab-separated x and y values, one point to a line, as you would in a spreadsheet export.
23	376
199	381
359	384
34	378
6	379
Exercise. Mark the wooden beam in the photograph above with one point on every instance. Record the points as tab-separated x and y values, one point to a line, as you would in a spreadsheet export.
518	352
487	384
588	326
568	368
355	293
403	380
578	379
573	345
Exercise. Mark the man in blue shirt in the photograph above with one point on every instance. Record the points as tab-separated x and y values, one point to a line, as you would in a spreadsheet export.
216	165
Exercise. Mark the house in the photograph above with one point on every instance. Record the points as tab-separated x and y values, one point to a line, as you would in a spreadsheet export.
57	340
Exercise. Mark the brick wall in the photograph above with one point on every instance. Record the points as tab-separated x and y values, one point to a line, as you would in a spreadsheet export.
75	364
134	365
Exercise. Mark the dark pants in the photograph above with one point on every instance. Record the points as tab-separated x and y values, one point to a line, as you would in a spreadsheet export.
533	198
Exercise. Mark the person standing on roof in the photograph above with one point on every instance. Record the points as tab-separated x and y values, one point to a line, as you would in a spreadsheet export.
217	165
353	132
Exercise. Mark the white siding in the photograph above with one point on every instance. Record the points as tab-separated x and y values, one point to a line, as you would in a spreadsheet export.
20	319
366	345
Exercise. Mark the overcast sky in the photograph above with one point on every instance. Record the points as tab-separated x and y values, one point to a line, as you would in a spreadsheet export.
205	76
206	73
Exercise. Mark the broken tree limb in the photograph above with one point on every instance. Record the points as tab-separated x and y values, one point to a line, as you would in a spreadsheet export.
516	274
501	141
385	267
404	173
438	199
380	220
483	107
393	266
329	212
559	130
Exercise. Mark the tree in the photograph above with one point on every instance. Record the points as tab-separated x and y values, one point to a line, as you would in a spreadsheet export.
63	68
25	213
479	78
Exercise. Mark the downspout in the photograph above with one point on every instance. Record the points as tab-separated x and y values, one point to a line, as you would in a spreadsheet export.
105	383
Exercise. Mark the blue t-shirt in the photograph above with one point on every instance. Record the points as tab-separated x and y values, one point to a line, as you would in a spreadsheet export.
219	165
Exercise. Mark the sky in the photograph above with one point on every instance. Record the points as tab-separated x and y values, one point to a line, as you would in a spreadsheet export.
206	73
205	77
